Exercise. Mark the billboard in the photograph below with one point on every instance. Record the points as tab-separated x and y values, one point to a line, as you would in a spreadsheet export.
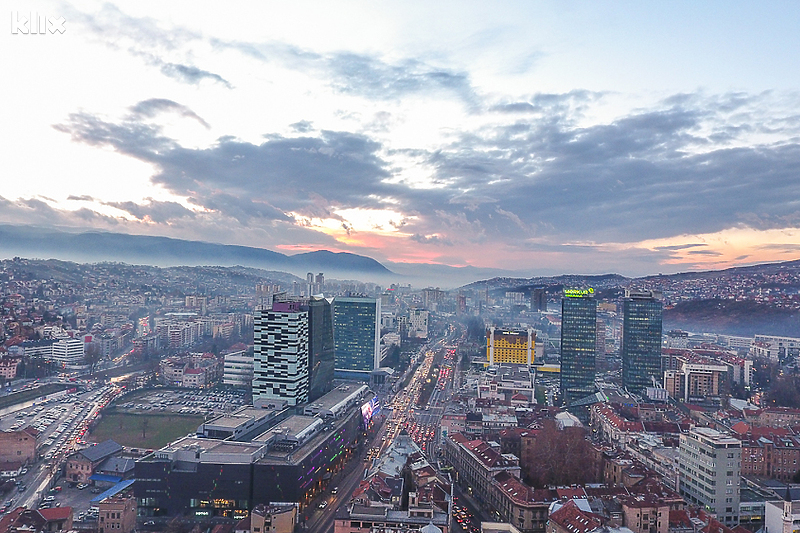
370	409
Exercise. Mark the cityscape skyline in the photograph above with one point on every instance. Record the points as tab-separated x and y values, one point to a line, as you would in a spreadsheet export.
545	138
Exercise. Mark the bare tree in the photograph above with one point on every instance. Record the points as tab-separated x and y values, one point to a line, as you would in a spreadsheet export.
92	356
559	457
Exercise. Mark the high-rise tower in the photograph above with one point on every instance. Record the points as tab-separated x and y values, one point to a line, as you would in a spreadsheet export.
320	347
356	336
578	343
309	284
280	362
641	339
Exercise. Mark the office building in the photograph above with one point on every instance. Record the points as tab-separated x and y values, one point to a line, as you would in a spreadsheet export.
695	381
238	368
320	280
356	336
510	347
68	351
280	364
320	346
418	323
539	299
710	472
578	344
641	340
775	349
309	284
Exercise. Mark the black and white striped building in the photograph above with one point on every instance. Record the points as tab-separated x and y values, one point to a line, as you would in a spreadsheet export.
280	364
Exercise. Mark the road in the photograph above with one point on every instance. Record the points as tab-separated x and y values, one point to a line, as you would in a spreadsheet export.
62	423
322	520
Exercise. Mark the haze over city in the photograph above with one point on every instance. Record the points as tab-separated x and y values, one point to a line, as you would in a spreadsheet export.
542	138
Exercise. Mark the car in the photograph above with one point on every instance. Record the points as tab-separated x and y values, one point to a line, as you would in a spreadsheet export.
323	505
150	523
334	490
82	486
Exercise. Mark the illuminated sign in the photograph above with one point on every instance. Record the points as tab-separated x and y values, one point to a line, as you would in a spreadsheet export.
578	293
370	409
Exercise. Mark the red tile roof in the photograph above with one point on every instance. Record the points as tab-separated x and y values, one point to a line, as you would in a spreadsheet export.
56	513
571	518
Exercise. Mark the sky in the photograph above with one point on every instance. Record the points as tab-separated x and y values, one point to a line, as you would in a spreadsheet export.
540	137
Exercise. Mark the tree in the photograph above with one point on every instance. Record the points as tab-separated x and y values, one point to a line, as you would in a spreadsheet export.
92	355
559	457
785	391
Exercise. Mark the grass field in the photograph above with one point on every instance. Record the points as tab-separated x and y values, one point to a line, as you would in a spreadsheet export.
150	431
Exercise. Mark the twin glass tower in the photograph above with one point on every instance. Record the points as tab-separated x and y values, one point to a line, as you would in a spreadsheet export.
641	341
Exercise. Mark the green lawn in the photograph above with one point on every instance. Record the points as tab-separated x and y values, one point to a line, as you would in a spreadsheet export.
149	431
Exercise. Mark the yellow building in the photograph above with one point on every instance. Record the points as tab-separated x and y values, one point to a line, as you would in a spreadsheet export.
510	347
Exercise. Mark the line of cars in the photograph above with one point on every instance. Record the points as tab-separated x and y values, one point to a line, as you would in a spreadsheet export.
464	519
7	506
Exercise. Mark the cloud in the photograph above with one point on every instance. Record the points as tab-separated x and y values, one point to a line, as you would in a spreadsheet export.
81	198
364	75
155	211
704	252
189	74
534	181
430	239
242	209
145	38
653	173
307	175
37	212
153	106
304	126
676	247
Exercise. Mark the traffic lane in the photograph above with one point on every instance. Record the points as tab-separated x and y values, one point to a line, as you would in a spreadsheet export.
322	520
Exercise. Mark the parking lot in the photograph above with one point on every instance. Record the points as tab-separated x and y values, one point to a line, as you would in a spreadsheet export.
77	496
183	401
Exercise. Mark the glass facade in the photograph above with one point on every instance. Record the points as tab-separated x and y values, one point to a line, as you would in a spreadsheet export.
356	336
641	341
320	356
578	346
